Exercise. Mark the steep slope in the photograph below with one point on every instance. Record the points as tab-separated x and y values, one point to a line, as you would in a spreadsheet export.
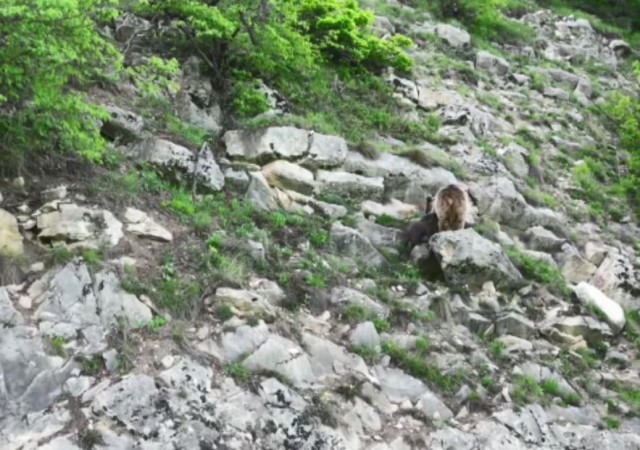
250	292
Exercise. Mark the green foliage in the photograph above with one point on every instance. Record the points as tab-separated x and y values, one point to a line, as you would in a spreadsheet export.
419	367
50	48
625	111
539	271
238	372
484	19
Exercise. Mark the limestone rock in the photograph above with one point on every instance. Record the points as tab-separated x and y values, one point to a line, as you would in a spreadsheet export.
10	237
591	296
124	126
267	144
182	161
351	243
286	175
455	37
349	185
244	303
466	258
543	240
492	63
140	224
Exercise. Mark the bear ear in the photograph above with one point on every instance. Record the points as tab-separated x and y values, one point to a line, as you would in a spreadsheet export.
429	205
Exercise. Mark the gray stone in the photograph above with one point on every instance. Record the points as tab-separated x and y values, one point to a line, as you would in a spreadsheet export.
244	303
365	335
351	243
573	266
9	316
515	325
455	37
331	361
466	258
556	93
591	296
267	144
345	296
132	403
492	63
285	175
79	226
379	235
432	407
325	151
10	237
398	386
349	185
242	341
123	126
56	193
140	224
284	357
169	156
114	302
541	239
258	192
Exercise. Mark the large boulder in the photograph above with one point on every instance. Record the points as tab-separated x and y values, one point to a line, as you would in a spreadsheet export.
289	143
349	185
453	36
124	126
466	258
592	297
351	243
180	160
286	175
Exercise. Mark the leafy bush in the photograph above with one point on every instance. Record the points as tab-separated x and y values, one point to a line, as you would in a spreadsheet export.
50	49
625	111
484	19
300	48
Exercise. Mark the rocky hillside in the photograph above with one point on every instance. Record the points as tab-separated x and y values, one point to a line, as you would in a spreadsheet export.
249	290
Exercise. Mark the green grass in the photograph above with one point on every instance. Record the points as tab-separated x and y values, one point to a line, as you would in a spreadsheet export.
539	271
369	354
57	344
238	372
418	366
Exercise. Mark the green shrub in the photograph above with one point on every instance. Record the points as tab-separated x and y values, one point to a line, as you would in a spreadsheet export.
484	19
51	49
625	111
539	271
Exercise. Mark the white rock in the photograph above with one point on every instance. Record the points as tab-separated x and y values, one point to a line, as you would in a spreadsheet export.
591	296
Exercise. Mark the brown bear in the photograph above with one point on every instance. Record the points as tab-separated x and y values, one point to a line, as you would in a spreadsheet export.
420	231
451	205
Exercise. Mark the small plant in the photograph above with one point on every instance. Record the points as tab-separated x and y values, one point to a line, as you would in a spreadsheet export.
202	222
238	372
611	423
422	345
550	387
496	348
381	325
91	256
156	323
57	344
93	365
224	312
356	313
59	255
540	271
525	390
417	366
369	354
90	439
